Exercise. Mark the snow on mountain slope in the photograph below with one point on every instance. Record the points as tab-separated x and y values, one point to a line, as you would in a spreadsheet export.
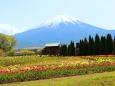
54	21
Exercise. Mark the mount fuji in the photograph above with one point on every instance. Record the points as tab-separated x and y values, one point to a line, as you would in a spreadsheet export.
61	28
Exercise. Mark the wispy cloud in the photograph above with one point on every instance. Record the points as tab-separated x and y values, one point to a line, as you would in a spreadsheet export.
11	30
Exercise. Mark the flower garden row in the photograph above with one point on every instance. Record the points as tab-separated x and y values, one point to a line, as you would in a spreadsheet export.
9	75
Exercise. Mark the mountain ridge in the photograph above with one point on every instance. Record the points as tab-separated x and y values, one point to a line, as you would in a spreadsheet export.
59	29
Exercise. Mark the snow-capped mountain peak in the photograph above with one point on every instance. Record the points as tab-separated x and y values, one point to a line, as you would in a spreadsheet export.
60	18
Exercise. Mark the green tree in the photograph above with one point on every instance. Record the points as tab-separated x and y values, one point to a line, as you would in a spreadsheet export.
71	49
90	46
96	50
81	47
102	45
7	42
63	51
77	49
85	47
114	46
109	44
13	42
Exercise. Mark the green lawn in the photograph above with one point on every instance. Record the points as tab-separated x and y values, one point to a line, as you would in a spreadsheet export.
98	79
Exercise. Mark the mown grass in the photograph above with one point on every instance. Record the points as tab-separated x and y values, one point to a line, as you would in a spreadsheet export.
99	79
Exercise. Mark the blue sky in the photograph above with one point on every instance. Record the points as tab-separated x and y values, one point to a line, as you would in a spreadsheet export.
20	15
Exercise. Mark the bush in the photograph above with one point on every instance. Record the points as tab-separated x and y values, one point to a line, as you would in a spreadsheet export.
27	52
11	53
1	52
39	52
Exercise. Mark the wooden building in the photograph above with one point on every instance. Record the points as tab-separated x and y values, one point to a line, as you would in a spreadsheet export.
52	49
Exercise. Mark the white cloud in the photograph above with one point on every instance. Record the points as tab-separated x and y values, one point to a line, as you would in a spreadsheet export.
10	30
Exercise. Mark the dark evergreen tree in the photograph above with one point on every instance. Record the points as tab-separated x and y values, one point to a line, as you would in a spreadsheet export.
71	49
77	49
109	44
114	46
81	47
63	51
105	45
102	45
96	45
90	46
85	47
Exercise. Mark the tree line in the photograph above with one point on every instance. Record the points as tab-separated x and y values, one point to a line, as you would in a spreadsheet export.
88	46
68	50
92	46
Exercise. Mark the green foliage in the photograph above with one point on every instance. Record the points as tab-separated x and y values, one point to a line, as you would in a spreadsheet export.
17	69
71	49
63	51
90	46
96	50
27	52
11	52
109	44
26	60
81	47
77	49
68	50
1	52
97	79
103	45
85	47
7	42
39	52
59	71
114	46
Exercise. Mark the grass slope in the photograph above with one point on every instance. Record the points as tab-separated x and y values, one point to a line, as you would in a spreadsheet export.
99	79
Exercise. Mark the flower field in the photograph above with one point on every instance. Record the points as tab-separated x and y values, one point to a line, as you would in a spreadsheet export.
14	69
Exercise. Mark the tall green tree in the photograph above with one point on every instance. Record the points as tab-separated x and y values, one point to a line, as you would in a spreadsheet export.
71	49
99	45
85	47
102	45
114	46
81	44
109	44
90	46
77	49
63	51
96	50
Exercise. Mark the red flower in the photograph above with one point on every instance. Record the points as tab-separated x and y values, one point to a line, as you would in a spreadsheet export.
56	68
79	67
22	71
5	71
113	63
0	71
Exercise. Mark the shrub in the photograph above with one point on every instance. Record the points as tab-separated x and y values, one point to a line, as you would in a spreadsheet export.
39	52
27	52
1	52
11	53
